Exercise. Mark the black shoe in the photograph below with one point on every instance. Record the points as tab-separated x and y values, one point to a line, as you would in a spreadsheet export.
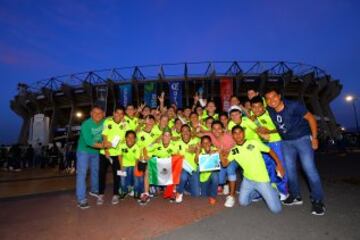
290	201
83	206
123	195
318	209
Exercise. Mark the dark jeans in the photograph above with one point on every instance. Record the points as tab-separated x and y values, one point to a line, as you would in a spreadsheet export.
115	166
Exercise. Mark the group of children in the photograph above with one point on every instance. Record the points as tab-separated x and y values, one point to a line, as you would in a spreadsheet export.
245	138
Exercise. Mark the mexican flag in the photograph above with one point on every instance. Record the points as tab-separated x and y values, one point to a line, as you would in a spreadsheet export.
165	171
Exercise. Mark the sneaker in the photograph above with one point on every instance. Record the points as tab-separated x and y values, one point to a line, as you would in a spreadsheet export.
84	205
229	202
179	198
131	193
172	199
100	200
283	196
136	195
115	200
212	201
94	194
144	199
257	199
290	201
123	195
226	190
318	209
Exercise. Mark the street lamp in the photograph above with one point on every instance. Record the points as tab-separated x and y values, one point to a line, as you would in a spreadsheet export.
352	99
78	114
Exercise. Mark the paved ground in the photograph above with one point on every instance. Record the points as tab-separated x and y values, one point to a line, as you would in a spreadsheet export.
54	215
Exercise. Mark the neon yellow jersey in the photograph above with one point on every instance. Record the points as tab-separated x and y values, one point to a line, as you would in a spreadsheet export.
144	139
176	134
157	131
249	157
171	123
204	176
185	151
158	150
266	121
132	123
129	154
206	115
248	126
113	130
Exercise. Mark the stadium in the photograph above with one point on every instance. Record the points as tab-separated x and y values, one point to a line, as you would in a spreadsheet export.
53	108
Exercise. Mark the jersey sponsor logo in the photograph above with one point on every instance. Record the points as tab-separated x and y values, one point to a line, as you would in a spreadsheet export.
263	121
250	147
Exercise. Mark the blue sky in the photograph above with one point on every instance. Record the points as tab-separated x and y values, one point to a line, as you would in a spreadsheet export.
40	39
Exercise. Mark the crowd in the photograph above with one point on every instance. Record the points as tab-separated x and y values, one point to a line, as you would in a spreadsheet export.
53	155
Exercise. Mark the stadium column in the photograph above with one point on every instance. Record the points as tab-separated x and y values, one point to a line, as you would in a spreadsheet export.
89	90
25	114
68	92
263	80
317	110
331	91
49	96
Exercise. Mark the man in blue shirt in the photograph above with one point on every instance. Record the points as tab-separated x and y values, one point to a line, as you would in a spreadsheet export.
298	129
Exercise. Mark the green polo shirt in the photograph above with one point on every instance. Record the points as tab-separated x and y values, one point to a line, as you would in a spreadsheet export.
90	133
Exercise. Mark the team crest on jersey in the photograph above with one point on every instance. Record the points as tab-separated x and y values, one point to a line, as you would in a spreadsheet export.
250	147
142	138
169	151
159	148
152	135
109	126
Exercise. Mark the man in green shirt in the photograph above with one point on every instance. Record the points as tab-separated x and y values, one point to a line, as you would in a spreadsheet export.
87	153
247	154
190	174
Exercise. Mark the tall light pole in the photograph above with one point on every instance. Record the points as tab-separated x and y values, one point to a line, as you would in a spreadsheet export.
352	99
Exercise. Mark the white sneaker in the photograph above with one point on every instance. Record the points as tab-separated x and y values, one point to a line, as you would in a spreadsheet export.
283	196
226	190
115	200
230	201
94	194
131	193
100	200
179	198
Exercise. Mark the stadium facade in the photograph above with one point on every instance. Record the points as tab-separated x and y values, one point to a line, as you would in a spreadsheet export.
61	103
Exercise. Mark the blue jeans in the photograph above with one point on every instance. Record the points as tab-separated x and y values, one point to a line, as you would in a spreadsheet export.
248	189
209	188
139	184
281	183
84	161
192	180
301	148
127	181
222	175
231	170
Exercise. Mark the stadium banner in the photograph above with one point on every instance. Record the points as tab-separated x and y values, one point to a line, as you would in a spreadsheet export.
209	162
176	93
150	97
226	91
125	94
